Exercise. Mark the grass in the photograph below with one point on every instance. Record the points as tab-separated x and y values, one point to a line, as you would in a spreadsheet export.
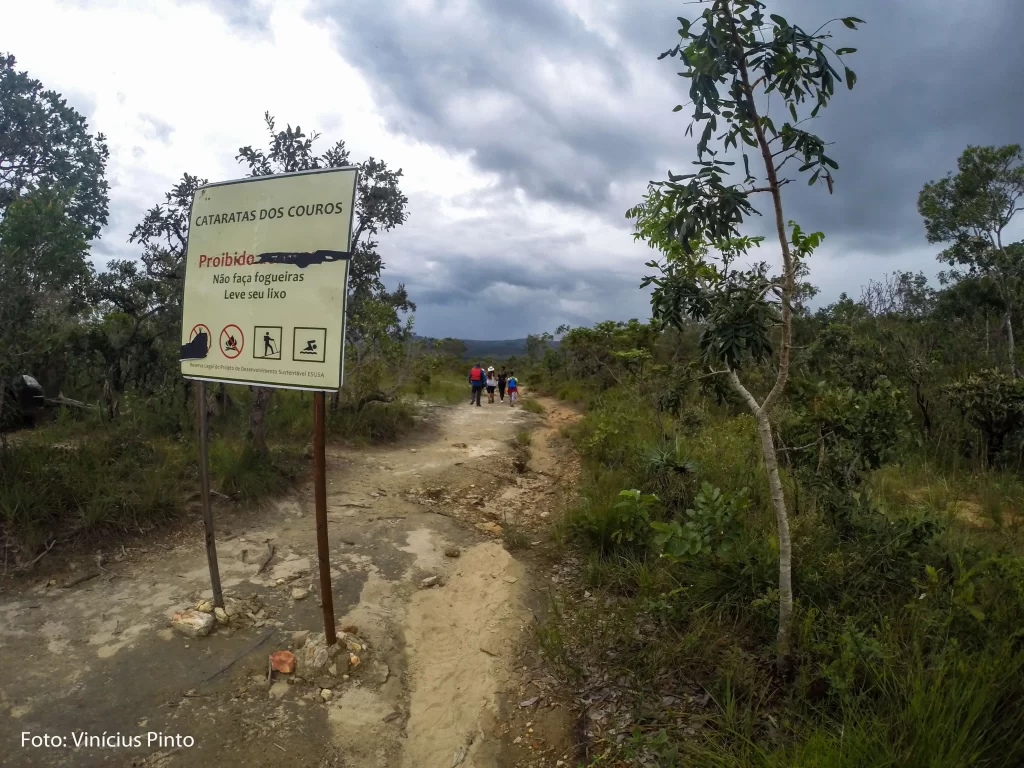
906	647
84	477
115	481
524	437
242	474
533	406
440	387
514	538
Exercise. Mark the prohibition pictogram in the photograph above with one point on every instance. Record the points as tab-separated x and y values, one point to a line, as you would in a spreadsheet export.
231	341
202	328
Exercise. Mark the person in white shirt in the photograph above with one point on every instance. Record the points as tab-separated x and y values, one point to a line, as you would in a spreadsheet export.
492	383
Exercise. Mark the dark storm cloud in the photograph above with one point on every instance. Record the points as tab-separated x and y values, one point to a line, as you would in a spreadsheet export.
933	77
525	86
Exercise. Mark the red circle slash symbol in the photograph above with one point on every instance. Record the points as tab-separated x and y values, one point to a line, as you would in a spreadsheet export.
201	328
231	341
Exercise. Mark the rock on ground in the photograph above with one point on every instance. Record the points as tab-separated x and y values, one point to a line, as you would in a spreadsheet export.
192	623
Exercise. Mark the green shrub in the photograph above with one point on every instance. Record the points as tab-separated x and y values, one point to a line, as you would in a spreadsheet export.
712	528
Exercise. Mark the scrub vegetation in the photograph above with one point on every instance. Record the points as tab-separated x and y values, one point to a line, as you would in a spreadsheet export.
799	531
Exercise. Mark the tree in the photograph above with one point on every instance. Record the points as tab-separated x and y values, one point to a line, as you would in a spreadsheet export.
379	207
971	210
735	59
45	277
45	144
125	336
536	344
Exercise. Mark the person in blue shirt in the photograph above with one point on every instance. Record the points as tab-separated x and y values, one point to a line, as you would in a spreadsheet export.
513	388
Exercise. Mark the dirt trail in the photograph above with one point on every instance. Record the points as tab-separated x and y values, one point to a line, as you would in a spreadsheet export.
433	663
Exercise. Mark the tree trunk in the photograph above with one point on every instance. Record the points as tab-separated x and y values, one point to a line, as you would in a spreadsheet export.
1011	351
771	466
257	419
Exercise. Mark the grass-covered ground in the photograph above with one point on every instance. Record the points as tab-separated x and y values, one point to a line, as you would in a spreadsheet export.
83	477
909	618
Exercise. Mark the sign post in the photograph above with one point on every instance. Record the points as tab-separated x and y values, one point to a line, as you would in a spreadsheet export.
204	487
266	276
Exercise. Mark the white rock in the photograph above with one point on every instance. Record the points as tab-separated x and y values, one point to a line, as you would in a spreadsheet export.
430	581
326	694
316	655
192	623
221	615
380	672
298	593
278	689
299	638
205	606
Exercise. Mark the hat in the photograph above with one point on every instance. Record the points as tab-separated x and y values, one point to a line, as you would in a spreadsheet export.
491	369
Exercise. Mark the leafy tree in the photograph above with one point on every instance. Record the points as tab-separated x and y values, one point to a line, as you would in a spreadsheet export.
971	210
452	347
536	344
45	144
127	336
994	403
735	58
45	277
163	235
380	206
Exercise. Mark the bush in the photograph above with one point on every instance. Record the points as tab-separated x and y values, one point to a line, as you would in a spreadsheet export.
902	619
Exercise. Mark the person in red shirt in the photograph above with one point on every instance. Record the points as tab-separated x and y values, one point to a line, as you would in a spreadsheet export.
477	380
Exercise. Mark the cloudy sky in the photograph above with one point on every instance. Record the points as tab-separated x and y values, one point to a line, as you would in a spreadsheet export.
525	127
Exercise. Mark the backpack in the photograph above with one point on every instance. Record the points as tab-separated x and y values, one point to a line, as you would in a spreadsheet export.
477	374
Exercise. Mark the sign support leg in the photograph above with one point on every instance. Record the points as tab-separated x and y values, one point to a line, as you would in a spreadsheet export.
204	487
320	498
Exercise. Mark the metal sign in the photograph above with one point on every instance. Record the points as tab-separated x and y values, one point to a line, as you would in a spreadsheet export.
266	275
266	278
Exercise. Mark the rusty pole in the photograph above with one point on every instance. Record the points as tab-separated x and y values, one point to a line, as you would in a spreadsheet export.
204	488
320	499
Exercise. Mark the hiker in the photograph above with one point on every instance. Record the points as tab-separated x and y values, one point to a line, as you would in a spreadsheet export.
492	383
477	380
513	388
502	380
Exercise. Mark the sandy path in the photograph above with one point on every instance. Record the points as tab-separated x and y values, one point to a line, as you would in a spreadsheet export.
100	657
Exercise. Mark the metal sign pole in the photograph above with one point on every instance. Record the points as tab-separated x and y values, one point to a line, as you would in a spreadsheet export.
204	487
320	499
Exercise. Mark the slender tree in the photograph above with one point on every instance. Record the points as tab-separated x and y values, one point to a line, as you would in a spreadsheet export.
746	71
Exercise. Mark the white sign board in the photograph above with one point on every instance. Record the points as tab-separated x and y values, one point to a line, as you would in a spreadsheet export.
266	276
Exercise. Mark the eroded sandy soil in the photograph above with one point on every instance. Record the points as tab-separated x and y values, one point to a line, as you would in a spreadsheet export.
438	667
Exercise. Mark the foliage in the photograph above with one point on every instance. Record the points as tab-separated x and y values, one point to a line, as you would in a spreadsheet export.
972	210
45	146
712	527
994	403
841	432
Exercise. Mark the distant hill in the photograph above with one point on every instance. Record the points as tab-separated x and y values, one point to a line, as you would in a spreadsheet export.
499	349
